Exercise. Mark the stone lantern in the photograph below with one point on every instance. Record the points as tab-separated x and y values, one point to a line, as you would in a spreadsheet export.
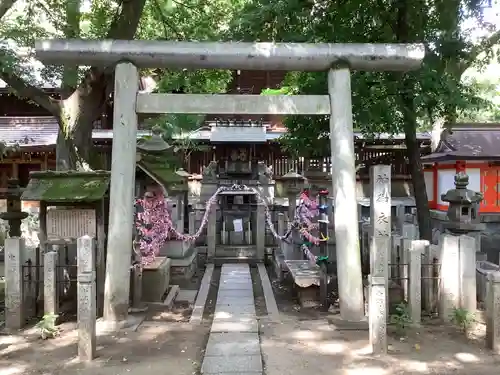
463	209
293	183
14	215
155	143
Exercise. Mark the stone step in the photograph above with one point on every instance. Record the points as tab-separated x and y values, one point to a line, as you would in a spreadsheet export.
237	364
236	252
232	344
218	261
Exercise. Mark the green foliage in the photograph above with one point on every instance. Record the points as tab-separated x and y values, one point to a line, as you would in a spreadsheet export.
401	318
47	326
436	90
462	318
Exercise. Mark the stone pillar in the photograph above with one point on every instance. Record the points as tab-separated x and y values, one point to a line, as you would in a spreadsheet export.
344	193
278	254
400	217
377	314
192	223
493	312
408	234
14	288
179	207
428	280
394	269
50	290
260	234
415	279
468	296
86	298
288	247
449	275
281	230
211	232
121	204
380	221
292	203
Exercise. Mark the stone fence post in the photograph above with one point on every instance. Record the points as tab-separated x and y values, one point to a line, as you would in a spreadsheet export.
449	276
493	312
50	290
415	279
468	296
377	314
14	288
428	279
211	233
192	222
408	234
86	298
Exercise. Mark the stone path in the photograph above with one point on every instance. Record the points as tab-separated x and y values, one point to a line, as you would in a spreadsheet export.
233	346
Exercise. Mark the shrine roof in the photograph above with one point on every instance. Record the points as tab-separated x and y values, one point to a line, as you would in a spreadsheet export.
467	142
160	168
42	131
70	186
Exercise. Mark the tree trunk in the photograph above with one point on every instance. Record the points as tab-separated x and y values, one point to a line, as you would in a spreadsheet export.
416	170
407	104
77	113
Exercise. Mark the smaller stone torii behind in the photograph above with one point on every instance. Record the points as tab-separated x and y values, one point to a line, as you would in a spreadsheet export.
129	55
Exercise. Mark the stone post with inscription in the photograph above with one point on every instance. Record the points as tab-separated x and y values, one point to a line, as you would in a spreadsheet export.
14	288
50	290
86	298
380	221
377	314
493	312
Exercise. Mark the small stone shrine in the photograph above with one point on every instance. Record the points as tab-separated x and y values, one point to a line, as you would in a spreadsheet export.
240	217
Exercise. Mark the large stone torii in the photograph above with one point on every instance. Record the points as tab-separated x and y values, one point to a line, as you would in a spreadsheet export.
129	55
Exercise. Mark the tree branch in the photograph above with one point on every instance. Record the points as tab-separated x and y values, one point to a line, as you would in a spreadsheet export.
126	21
24	89
5	6
485	45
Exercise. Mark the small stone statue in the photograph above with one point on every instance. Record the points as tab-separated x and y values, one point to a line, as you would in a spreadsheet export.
210	172
265	172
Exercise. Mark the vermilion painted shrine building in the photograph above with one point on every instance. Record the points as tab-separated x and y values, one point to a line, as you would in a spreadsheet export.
471	148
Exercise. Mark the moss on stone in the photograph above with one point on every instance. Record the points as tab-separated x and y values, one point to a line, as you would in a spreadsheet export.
70	186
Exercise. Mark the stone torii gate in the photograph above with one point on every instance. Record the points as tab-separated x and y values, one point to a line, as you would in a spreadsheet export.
337	59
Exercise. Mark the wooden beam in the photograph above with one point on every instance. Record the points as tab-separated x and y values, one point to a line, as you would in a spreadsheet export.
233	104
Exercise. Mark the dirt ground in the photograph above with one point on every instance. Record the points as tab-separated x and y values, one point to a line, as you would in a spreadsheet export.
292	346
305	341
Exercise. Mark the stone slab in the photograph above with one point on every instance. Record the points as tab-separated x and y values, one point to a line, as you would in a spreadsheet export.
236	311
235	301
186	295
234	373
250	326
235	286
201	299
232	344
271	305
247	363
228	293
238	280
